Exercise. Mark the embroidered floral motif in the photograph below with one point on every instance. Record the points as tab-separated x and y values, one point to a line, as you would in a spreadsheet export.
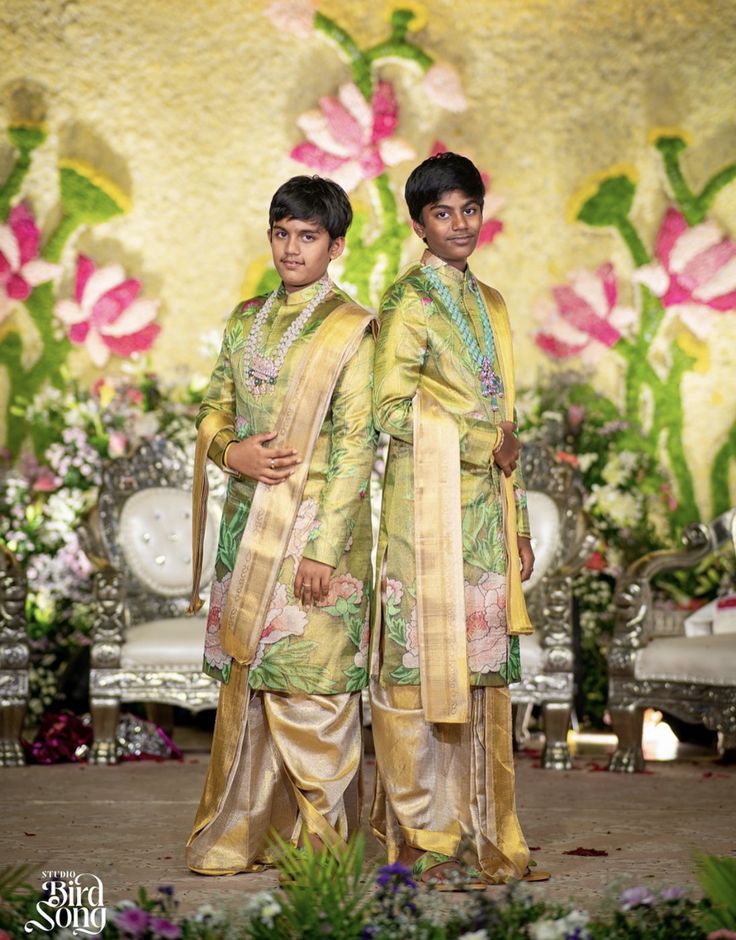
344	587
485	620
410	659
282	620
214	654
361	657
303	527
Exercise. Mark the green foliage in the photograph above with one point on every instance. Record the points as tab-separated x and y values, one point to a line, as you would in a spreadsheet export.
17	898
504	918
611	203
324	893
717	877
673	921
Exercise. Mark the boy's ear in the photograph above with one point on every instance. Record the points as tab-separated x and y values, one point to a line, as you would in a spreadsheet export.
337	247
418	229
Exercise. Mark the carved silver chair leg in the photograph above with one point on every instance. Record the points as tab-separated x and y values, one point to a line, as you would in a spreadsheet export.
105	717
521	713
556	753
11	725
628	723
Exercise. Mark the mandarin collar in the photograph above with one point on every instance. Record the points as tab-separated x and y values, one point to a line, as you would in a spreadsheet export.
447	271
298	298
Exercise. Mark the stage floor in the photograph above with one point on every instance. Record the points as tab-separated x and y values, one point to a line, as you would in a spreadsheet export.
128	825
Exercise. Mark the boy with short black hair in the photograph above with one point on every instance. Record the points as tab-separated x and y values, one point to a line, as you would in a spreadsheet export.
454	547
288	415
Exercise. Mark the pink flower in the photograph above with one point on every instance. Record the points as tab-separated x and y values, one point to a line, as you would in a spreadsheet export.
410	659
492	203
361	657
585	319
132	921
20	267
393	591
442	85
117	444
303	525
164	929
485	621
292	16
349	139
214	654
695	273
105	315
282	620
345	586
46	481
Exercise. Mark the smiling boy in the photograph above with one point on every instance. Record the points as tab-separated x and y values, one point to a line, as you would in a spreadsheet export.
454	546
288	415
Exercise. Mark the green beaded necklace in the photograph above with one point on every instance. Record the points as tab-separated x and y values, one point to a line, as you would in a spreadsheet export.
491	383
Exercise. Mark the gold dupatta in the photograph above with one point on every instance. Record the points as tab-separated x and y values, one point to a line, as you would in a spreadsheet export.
260	556
438	543
517	617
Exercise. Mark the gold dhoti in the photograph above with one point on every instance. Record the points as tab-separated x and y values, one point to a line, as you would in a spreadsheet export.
294	766
440	787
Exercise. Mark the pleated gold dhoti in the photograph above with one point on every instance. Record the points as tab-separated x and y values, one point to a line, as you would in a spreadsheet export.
294	765
447	787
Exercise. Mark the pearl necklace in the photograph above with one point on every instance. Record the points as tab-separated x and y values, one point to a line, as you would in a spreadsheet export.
261	371
491	384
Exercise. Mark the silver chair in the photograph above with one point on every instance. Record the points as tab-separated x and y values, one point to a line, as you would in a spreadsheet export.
14	659
562	544
144	648
653	663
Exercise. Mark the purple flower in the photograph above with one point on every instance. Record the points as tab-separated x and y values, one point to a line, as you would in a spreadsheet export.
636	897
132	921
396	874
160	927
673	893
168	890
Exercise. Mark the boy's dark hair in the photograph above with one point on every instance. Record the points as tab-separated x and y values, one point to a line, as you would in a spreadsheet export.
441	174
312	199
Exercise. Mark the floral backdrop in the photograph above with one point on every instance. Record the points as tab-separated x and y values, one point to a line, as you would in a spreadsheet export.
628	331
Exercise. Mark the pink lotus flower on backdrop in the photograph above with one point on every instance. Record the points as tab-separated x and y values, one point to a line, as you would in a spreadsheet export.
585	318
349	139
20	267
443	86
106	315
214	654
485	622
410	659
492	203
282	620
695	274
345	586
292	16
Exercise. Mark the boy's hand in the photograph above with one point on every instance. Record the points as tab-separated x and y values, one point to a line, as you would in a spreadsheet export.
526	556
250	458
508	453
312	581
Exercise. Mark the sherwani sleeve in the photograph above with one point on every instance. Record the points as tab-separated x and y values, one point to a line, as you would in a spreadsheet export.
353	442
401	351
220	397
522	509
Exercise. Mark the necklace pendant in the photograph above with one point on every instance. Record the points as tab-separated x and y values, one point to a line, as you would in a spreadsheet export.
491	385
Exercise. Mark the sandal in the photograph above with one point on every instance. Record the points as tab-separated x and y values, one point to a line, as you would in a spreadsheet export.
535	874
467	879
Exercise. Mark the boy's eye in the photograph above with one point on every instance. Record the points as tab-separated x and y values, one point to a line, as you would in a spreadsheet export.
442	214
280	233
308	237
471	210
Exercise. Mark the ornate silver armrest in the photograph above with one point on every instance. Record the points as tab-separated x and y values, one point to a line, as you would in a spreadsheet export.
108	625
14	658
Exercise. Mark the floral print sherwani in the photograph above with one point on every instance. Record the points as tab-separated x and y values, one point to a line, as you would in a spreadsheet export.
322	650
420	345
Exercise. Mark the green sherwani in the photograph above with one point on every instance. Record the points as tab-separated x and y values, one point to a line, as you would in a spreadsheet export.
419	345
322	650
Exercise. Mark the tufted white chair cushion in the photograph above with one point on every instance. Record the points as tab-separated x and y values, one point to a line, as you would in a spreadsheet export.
707	659
175	642
544	521
156	540
531	656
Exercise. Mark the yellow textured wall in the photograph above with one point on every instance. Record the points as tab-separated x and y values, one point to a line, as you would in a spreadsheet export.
192	108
